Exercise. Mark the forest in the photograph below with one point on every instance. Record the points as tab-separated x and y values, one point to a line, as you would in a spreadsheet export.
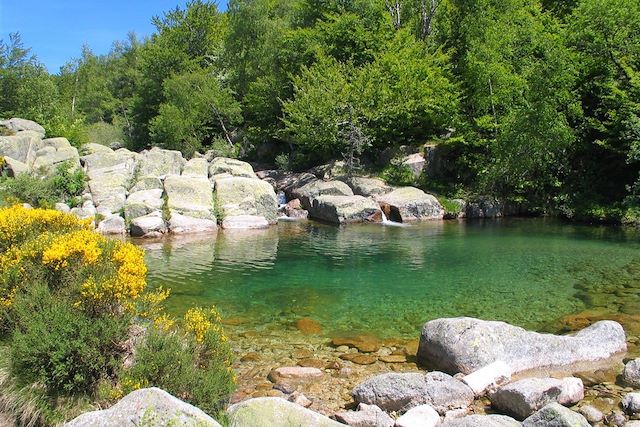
536	103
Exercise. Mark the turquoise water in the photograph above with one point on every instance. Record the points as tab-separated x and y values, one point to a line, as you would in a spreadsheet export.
388	281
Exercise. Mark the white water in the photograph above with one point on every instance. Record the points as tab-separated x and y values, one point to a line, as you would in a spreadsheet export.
390	223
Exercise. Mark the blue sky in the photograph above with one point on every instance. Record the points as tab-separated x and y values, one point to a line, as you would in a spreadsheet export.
55	30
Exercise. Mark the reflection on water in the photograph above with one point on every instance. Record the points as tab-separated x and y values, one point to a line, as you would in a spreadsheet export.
389	280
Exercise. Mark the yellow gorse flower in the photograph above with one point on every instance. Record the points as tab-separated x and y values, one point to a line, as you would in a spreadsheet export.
84	243
199	321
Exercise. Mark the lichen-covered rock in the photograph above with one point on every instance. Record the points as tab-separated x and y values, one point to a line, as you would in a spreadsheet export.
160	162
180	224
555	415
275	411
148	406
482	421
148	182
14	167
93	148
367	187
345	209
288	182
402	391
233	167
407	204
112	225
142	203
17	124
21	147
524	397
110	175
151	225
191	196
312	190
241	196
198	167
465	344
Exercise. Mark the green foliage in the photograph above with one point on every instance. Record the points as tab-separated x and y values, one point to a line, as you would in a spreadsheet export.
62	186
60	347
104	133
397	173
183	367
197	110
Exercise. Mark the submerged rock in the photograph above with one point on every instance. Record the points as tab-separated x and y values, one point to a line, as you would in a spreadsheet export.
367	416
148	405
410	204
275	411
523	398
555	415
466	344
402	391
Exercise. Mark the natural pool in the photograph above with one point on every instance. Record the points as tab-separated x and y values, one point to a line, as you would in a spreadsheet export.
387	281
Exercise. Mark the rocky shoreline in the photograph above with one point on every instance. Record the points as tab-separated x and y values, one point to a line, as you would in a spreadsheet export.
510	377
157	191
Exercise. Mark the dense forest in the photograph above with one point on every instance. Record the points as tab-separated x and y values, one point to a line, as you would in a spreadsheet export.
535	103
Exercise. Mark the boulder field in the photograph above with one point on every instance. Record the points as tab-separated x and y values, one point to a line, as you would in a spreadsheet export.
474	395
157	191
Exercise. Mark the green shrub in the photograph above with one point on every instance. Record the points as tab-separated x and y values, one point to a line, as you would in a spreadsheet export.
63	186
198	372
451	208
62	348
397	173
104	133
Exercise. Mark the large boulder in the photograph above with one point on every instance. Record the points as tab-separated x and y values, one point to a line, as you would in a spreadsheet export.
149	182
465	344
160	162
148	406
142	203
290	181
310	191
17	124
151	225
110	175
191	196
368	187
241	196
14	167
21	147
345	209
483	207
523	398
481	421
402	391
180	224
49	157
410	204
275	411
233	167
555	415
112	225
196	167
93	148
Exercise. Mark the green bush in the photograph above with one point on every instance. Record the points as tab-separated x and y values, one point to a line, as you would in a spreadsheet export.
60	347
104	133
63	186
197	372
398	173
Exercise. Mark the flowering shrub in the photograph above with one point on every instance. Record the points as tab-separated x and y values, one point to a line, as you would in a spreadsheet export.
68	297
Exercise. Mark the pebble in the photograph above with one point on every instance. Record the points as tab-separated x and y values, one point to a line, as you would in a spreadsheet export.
591	413
312	363
364	359
302	354
308	326
393	358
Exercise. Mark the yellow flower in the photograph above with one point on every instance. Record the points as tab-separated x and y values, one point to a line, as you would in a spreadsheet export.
84	243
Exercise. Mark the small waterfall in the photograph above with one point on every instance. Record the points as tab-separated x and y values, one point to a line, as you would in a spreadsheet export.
390	223
282	198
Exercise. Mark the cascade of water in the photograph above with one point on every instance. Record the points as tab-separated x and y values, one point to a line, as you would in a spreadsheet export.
386	221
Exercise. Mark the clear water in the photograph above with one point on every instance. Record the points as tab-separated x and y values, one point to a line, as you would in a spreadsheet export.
388	281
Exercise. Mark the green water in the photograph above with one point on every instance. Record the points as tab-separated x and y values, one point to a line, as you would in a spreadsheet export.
388	281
